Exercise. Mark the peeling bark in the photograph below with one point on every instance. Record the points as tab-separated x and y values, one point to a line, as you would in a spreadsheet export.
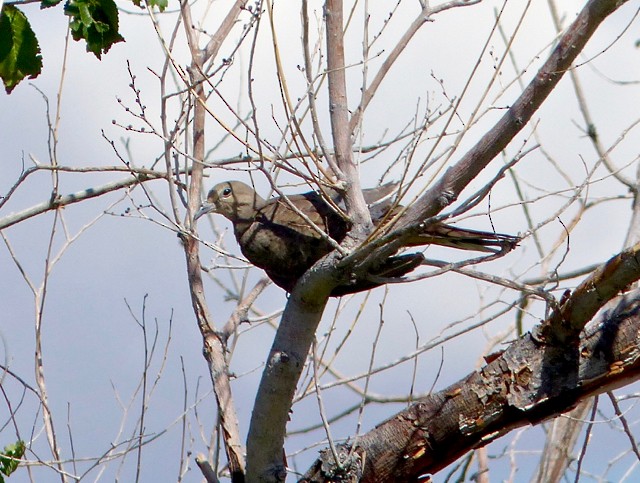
530	382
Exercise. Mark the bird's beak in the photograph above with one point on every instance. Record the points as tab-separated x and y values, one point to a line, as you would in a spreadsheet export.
204	209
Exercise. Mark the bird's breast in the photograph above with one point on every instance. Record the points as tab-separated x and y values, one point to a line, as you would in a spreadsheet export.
288	249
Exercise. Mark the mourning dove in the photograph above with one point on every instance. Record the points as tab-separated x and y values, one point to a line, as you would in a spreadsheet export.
276	238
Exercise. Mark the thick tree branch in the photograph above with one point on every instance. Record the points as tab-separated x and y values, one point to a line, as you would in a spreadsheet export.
531	381
265	442
458	176
339	112
569	318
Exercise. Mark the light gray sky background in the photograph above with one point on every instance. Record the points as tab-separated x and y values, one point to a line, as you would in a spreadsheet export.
93	349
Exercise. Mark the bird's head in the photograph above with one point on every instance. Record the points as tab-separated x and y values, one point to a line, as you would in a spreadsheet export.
234	200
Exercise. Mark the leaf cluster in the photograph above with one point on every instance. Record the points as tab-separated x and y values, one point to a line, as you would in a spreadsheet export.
9	458
94	21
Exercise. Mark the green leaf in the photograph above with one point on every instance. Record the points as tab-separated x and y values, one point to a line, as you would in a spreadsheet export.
161	4
49	3
19	50
7	464
95	21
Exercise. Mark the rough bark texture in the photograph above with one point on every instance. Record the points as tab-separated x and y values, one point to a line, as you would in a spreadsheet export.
265	458
512	391
528	383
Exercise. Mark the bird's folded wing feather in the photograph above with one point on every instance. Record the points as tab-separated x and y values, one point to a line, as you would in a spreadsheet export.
451	236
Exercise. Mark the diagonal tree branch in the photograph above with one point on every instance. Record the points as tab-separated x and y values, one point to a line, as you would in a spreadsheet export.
423	17
447	189
306	303
64	200
568	319
533	380
457	177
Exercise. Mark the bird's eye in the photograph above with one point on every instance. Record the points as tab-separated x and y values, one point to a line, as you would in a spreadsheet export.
226	192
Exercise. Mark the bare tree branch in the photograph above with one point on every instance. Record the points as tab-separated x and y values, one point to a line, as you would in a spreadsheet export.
528	383
214	347
305	306
339	110
422	18
64	200
458	176
283	368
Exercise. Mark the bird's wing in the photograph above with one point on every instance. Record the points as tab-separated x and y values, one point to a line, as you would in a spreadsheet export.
313	207
462	238
379	199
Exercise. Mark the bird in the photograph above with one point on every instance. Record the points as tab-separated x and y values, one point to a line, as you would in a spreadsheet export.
277	239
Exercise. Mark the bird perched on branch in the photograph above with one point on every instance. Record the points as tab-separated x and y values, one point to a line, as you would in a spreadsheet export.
282	241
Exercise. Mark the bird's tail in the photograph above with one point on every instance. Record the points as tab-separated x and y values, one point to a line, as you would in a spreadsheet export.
464	239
